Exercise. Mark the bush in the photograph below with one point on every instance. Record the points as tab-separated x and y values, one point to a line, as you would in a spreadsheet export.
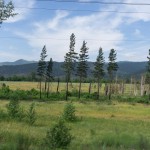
58	136
69	112
5	88
14	109
31	114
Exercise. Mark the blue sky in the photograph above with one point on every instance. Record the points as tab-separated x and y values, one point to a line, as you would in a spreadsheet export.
25	35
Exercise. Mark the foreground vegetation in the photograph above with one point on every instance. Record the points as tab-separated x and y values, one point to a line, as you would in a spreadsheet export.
99	125
30	91
30	123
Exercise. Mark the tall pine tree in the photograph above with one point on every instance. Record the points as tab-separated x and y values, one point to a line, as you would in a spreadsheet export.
69	62
49	74
99	69
82	64
73	54
112	68
41	70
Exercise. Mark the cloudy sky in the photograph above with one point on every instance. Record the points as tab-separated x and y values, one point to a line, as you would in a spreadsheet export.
51	24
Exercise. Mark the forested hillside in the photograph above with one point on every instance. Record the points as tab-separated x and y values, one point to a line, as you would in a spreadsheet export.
125	69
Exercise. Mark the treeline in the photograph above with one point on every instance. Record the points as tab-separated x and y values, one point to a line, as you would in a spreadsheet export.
77	65
30	77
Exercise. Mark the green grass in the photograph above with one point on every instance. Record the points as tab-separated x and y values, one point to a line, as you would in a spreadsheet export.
100	126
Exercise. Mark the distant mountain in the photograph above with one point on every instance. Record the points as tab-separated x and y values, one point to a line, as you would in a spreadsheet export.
23	67
17	62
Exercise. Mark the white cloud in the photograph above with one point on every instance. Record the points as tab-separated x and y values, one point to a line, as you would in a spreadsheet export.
133	17
98	29
22	13
93	28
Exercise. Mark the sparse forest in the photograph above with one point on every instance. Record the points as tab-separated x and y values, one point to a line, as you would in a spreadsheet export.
29	102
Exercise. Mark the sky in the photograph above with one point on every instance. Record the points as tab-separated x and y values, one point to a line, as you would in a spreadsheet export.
40	23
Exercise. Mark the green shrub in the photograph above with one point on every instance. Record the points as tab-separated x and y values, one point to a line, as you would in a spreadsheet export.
5	92
14	109
5	88
31	114
69	112
58	136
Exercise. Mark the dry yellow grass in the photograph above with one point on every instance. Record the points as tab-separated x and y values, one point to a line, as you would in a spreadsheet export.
53	86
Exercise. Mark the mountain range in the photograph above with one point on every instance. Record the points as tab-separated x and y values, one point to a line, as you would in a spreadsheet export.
17	62
24	67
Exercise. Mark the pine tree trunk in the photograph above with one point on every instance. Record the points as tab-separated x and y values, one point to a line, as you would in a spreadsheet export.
98	89
110	86
106	89
48	90
67	90
79	89
45	85
40	89
110	91
90	88
58	86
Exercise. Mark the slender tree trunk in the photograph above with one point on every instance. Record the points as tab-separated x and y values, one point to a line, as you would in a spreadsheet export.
110	91
110	88
58	86
40	89
106	89
90	88
79	89
45	85
67	90
48	90
98	86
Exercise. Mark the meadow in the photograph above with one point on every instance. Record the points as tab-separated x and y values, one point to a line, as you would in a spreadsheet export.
22	85
100	125
14	85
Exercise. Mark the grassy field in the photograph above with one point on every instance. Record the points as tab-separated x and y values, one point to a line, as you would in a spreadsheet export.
62	86
53	86
100	126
